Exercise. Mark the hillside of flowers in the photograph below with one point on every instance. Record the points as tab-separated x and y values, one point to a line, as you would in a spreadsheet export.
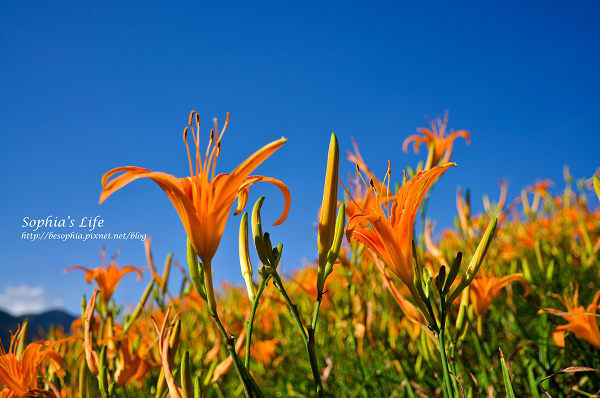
502	304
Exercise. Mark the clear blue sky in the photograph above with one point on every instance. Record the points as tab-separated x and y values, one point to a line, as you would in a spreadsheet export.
89	87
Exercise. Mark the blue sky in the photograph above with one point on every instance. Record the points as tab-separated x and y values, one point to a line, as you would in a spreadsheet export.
90	87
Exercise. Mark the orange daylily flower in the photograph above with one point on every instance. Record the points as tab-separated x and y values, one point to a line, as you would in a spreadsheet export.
484	288
410	311
108	277
540	189
580	323
203	200
442	145
391	236
265	351
131	367
22	376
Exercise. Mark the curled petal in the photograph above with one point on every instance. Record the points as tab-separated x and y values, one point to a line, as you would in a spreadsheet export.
89	274
242	200
418	141
460	133
282	187
127	269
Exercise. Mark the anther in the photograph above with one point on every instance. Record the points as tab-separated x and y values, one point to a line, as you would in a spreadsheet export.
191	117
373	186
185	130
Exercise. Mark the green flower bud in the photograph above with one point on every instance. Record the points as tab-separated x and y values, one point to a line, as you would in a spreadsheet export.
244	252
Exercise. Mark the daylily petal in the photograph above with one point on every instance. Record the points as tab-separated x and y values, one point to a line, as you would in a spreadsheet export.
282	187
229	191
372	241
418	141
559	337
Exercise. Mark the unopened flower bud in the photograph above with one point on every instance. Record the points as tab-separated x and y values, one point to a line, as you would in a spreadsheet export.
327	221
480	252
196	274
186	376
476	261
245	263
259	242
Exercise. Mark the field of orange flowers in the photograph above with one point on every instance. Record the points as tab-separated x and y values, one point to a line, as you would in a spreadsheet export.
504	304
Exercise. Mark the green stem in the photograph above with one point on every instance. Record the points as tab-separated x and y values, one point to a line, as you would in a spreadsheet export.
250	323
309	339
293	307
447	384
422	307
316	311
245	377
210	292
454	370
248	382
310	347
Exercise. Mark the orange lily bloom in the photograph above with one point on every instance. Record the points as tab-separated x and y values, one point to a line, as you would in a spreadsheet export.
108	277
21	376
391	236
265	351
484	288
410	311
442	145
540	189
203	200
580	323
131	366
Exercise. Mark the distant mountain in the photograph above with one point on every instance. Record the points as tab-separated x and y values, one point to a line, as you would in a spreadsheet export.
39	324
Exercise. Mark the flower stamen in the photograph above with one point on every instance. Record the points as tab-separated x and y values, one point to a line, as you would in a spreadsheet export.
185	131
350	195
363	180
